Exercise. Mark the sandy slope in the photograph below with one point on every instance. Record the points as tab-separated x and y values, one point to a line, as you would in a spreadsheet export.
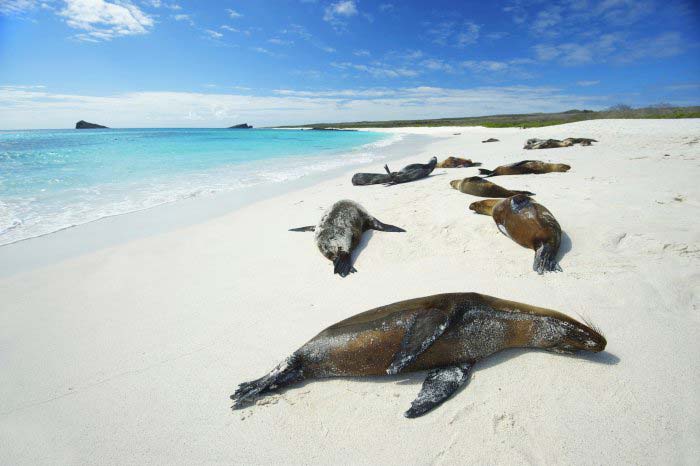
128	355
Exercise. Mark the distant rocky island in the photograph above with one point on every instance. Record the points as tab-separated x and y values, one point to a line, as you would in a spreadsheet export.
241	126
82	124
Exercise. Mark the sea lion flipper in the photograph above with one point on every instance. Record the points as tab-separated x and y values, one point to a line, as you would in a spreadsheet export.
342	265
546	259
422	331
308	228
381	226
439	385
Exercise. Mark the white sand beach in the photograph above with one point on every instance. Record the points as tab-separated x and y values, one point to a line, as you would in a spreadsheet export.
127	354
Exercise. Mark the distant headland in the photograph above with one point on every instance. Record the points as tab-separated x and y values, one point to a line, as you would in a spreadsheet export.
82	124
241	126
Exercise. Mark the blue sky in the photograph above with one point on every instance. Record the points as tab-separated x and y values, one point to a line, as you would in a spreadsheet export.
215	63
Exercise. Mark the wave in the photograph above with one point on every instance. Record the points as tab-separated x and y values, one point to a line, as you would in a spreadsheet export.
30	216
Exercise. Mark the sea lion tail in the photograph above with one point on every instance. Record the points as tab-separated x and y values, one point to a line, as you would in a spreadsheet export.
286	373
545	260
308	228
484	171
380	226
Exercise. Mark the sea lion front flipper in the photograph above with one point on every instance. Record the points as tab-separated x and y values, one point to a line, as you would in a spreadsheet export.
439	385
422	332
381	226
546	260
308	228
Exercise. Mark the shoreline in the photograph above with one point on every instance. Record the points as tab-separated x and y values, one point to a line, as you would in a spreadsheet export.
74	240
129	353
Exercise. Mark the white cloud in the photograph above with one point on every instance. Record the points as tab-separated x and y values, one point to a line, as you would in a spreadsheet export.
278	41
458	34
377	69
361	53
587	83
41	109
10	7
386	6
233	13
336	13
102	20
213	34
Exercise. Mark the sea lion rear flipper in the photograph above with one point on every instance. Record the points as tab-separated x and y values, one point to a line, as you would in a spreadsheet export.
309	228
545	260
422	331
484	171
342	265
286	373
380	226
439	385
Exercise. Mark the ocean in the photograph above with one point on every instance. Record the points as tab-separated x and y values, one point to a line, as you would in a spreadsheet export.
54	179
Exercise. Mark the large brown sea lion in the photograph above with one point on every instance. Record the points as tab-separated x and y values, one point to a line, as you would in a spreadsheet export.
339	231
456	162
412	172
526	167
535	143
445	333
478	186
527	223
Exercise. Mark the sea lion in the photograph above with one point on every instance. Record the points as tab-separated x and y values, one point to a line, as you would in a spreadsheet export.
412	172
456	162
527	223
339	232
535	143
445	333
491	140
526	167
477	186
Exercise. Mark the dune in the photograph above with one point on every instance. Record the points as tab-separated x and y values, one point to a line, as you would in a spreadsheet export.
128	353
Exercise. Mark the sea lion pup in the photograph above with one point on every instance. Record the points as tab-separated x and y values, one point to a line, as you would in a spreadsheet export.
445	333
526	167
339	232
535	143
477	186
491	140
527	223
456	162
412	172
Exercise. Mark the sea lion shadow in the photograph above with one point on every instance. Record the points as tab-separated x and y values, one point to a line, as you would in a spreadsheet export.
364	240
565	246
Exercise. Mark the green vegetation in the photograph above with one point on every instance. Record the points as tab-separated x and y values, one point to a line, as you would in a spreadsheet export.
529	120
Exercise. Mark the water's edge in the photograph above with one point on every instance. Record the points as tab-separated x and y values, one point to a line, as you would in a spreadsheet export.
109	231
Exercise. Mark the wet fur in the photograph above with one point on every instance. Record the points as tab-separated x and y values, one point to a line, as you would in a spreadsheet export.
477	186
460	329
526	167
339	232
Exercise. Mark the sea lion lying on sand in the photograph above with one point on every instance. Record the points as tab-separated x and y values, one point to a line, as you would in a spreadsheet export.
477	186
456	162
554	143
491	140
526	167
527	223
412	172
339	232
445	333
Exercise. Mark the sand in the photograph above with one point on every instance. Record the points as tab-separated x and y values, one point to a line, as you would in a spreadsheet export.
127	354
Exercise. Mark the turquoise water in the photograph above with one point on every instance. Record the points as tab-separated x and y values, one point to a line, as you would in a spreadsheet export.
52	179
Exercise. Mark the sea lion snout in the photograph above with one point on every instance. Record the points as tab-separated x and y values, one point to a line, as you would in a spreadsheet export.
455	183
580	337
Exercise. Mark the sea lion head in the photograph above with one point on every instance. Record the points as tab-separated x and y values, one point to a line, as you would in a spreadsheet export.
571	336
561	167
519	201
455	183
484	207
433	161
